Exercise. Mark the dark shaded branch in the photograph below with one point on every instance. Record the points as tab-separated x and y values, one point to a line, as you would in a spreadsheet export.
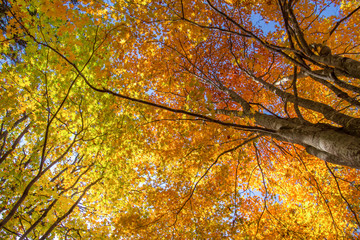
33	226
30	184
296	104
342	196
208	170
14	145
343	19
60	219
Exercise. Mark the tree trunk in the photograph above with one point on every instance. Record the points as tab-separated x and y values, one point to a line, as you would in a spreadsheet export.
349	66
329	143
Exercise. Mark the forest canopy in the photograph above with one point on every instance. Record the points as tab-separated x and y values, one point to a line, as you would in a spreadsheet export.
179	119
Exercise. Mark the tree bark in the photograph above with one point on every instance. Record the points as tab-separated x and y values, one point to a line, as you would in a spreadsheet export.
326	142
349	66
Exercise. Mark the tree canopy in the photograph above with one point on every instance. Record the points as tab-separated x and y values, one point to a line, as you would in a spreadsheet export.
180	119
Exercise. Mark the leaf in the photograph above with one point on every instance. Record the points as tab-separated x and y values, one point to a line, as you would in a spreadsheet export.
180	120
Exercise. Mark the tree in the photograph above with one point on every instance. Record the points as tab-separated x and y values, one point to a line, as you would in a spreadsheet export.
180	119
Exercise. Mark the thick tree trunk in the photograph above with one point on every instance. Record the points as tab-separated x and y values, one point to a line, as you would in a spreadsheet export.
349	66
344	147
329	143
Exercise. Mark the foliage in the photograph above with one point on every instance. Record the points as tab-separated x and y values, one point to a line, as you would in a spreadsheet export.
179	119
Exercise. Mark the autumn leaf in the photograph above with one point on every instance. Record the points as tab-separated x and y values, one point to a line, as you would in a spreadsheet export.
179	119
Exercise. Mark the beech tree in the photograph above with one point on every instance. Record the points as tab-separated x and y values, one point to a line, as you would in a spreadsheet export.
180	119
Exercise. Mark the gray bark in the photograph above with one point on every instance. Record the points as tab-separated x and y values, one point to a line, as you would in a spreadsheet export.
344	147
349	66
328	157
324	141
328	143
